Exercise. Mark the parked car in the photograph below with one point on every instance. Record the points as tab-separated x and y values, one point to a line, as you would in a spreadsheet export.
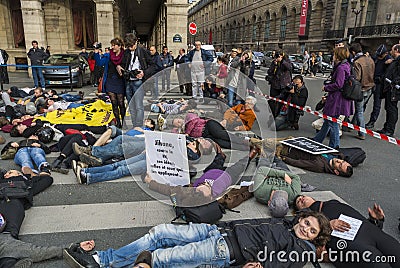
297	62
211	50
59	76
268	58
326	62
257	61
219	53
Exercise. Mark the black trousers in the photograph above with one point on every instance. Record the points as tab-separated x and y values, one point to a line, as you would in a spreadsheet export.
215	131
273	105
392	113
14	210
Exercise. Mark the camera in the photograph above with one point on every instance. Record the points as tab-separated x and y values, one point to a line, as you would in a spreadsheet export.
97	46
290	86
128	75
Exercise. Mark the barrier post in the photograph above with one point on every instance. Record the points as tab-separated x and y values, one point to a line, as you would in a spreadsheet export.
70	78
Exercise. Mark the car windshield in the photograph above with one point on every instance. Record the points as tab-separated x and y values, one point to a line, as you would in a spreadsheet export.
258	54
63	59
296	58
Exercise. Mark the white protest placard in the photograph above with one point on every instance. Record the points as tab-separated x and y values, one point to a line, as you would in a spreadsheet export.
309	146
355	225
166	158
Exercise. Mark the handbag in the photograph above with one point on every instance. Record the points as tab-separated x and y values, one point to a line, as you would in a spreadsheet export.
8	152
13	189
207	213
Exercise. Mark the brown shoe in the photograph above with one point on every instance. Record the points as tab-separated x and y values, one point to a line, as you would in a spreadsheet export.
78	150
90	160
2	140
254	152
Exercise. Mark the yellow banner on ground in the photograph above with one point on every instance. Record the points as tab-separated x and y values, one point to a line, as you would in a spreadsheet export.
97	113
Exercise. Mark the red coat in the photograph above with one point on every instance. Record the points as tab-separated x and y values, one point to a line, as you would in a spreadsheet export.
92	63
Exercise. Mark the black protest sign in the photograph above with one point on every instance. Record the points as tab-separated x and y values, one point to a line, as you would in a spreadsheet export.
309	146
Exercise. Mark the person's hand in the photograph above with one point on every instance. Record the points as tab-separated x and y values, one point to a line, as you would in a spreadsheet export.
159	104
292	90
252	265
223	123
323	89
376	212
147	179
140	75
87	245
340	225
15	145
288	179
388	61
119	70
35	144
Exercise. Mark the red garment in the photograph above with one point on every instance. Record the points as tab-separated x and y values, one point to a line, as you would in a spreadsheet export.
92	63
222	71
116	59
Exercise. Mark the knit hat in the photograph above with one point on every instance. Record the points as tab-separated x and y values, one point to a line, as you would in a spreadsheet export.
2	223
279	204
381	50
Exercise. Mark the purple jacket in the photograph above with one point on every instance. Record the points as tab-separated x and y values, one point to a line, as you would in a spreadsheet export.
335	103
194	125
218	179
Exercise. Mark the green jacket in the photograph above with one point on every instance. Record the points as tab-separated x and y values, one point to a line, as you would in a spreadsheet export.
268	179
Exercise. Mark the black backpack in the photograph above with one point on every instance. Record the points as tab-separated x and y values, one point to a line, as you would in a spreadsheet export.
207	213
353	155
352	88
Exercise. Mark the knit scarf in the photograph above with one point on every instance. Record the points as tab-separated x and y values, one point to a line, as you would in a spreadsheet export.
116	59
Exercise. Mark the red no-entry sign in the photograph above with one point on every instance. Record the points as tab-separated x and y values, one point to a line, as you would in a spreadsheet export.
192	28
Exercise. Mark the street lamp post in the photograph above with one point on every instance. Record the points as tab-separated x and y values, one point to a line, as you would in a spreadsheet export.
357	11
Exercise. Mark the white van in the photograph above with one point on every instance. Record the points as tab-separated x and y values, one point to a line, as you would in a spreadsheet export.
211	50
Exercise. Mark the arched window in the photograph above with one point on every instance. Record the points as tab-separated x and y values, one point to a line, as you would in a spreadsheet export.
235	32
293	26
267	26
343	14
370	16
283	24
254	30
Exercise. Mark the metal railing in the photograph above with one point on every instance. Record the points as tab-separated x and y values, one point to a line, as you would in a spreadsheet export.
334	34
377	30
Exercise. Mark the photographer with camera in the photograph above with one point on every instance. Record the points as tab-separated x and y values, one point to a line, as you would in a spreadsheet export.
296	93
279	76
137	65
391	92
113	82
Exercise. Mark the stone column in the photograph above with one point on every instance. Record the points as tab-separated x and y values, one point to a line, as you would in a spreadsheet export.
105	21
34	28
176	24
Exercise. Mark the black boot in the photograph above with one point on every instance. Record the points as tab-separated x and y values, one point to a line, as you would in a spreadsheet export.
58	161
79	259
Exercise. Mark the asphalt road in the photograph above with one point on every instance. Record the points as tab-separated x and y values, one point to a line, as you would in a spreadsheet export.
376	180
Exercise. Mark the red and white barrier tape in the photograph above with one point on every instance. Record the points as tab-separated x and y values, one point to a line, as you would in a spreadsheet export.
346	124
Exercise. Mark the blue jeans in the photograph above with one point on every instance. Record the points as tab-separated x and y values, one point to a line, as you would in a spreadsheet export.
135	92
334	138
155	93
25	157
166	79
231	95
358	117
70	98
75	105
37	71
192	245
120	146
132	166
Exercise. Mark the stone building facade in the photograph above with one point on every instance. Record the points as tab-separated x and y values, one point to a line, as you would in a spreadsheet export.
268	25
68	25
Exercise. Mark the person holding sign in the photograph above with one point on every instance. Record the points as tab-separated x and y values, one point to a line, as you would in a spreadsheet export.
369	238
135	165
226	244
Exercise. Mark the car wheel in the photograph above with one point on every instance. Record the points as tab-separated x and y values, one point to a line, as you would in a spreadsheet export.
80	81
